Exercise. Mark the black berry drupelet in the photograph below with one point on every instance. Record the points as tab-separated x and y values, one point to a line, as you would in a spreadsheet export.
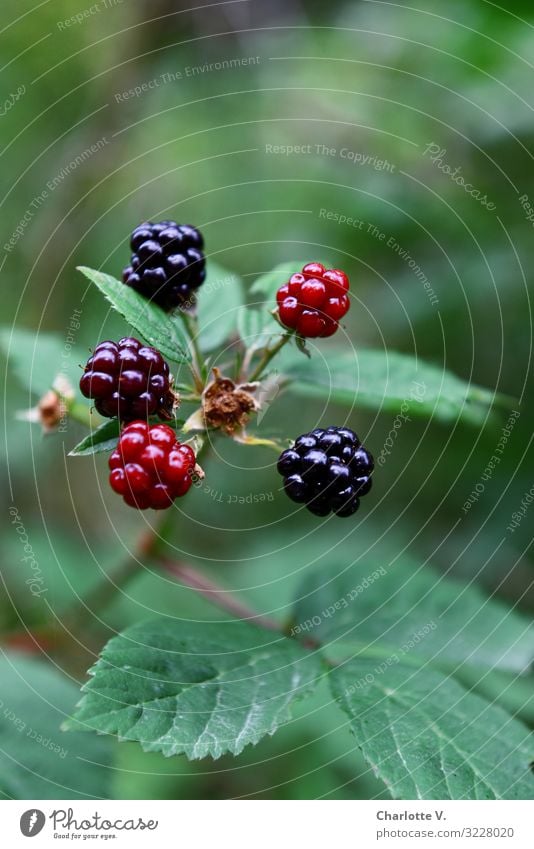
327	470
129	380
167	264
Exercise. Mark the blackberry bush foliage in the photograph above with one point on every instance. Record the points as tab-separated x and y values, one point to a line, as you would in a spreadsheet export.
226	684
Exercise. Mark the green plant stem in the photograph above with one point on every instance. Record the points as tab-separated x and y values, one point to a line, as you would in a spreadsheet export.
223	599
191	326
268	355
82	414
151	546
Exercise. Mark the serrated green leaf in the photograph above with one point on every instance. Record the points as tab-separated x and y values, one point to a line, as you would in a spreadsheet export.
104	437
38	761
410	610
37	358
266	285
149	320
201	689
218	302
255	327
428	738
387	380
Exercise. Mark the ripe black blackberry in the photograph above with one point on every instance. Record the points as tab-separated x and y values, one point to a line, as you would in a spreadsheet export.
167	264
327	470
129	380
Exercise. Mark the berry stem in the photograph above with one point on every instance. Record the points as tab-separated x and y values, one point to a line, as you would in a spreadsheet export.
217	595
268	355
82	414
198	370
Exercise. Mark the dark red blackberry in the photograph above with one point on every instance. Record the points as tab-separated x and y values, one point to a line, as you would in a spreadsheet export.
327	470
314	300
149	467
167	264
129	380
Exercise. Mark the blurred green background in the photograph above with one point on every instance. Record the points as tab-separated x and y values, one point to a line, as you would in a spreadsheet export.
369	86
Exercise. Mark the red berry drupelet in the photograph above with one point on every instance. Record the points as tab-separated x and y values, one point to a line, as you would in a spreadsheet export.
129	380
149	467
327	470
314	300
167	264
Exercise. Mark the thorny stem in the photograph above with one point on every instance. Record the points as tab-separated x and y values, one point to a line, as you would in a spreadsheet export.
268	355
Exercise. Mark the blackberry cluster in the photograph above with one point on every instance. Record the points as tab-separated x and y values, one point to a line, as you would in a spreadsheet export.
129	380
314	300
149	467
327	470
167	263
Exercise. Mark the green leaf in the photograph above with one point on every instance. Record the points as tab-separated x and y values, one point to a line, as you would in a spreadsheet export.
194	688
300	343
38	761
149	320
104	437
386	381
428	738
219	300
255	327
267	284
412	611
36	359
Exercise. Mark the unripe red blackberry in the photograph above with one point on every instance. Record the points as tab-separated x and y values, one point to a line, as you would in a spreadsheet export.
327	470
129	380
313	301
167	264
149	467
